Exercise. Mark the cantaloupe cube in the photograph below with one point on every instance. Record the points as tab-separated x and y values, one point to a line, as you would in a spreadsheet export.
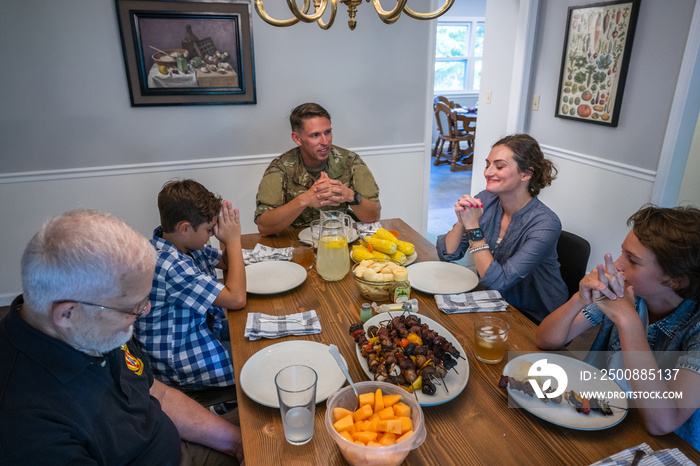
391	425
339	413
373	422
404	436
378	401
366	399
401	409
390	400
358	426
352	429
374	444
386	413
363	412
347	436
344	424
366	437
406	424
387	439
359	443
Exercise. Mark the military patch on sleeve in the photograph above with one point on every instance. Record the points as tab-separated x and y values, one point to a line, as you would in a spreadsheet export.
134	364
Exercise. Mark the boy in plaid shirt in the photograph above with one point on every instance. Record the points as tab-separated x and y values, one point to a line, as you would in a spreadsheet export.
184	331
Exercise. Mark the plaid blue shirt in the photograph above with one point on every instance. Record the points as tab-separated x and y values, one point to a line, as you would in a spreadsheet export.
183	351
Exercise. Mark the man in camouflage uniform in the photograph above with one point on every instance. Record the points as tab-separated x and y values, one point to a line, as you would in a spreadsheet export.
315	175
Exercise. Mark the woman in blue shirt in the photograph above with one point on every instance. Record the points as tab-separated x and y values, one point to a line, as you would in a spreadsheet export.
645	301
511	235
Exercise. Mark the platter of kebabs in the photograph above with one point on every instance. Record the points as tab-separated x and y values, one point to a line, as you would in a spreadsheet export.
582	403
414	352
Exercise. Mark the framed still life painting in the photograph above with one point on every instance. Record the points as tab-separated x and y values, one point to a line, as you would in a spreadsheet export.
595	61
187	52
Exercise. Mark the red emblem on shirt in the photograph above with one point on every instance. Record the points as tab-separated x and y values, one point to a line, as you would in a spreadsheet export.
134	364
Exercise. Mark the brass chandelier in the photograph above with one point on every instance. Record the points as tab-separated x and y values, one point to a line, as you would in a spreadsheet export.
320	6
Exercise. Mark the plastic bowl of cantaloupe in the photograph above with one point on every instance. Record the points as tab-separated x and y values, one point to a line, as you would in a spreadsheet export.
381	428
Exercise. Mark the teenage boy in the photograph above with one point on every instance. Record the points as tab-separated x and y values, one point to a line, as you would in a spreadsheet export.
183	334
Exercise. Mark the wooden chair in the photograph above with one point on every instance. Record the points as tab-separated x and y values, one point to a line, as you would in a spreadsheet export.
442	118
457	156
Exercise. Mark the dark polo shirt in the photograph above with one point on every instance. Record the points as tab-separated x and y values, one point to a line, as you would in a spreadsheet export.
60	406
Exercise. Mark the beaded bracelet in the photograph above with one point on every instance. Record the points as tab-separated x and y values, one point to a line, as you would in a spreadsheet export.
473	250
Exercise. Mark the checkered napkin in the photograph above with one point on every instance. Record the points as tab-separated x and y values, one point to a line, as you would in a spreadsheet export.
650	458
367	229
255	329
266	253
478	301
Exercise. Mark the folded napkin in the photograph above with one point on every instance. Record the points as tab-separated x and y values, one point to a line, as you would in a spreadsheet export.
367	229
283	325
650	457
478	301
266	253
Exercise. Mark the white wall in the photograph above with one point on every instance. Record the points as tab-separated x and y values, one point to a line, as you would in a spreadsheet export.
71	139
690	188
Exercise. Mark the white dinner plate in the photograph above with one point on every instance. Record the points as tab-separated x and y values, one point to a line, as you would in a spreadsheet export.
257	377
409	259
563	414
438	277
271	277
455	381
305	235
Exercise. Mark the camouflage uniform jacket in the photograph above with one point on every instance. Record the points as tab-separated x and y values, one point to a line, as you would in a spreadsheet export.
286	178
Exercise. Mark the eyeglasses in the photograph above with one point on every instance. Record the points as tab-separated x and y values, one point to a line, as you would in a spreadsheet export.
137	310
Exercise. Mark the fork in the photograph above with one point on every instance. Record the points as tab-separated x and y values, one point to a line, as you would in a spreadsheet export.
302	322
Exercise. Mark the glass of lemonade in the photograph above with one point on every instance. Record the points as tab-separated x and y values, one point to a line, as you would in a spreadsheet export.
333	257
490	335
296	392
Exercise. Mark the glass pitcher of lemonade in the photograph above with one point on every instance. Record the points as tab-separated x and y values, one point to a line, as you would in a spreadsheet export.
333	257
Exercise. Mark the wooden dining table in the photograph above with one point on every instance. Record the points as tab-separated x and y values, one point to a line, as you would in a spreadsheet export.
475	427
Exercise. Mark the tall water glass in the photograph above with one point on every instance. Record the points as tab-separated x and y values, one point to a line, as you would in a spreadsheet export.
333	257
296	392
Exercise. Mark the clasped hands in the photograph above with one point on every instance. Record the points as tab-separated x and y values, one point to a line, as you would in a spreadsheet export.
329	192
228	226
605	286
469	210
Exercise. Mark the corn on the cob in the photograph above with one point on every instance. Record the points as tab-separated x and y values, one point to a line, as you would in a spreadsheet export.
385	234
403	246
382	245
399	257
360	253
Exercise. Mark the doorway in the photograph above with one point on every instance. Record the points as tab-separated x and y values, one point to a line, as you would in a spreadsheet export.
447	186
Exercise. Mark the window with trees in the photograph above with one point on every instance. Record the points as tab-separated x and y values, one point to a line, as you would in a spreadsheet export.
459	47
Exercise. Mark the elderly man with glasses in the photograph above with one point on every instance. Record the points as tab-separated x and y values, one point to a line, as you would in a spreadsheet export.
76	388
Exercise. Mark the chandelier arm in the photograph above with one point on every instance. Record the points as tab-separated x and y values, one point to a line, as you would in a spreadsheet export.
334	8
260	9
388	16
439	12
320	8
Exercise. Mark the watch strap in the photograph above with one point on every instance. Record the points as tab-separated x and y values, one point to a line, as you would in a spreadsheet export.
356	199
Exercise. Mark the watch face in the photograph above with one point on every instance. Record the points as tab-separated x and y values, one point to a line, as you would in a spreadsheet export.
476	234
357	199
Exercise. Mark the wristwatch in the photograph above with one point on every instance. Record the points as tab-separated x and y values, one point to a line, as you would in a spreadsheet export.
475	234
356	200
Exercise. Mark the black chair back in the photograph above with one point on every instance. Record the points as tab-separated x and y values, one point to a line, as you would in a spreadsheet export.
573	253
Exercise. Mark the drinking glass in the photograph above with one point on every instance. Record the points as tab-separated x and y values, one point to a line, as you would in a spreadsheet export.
333	259
303	253
490	335
296	392
315	228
